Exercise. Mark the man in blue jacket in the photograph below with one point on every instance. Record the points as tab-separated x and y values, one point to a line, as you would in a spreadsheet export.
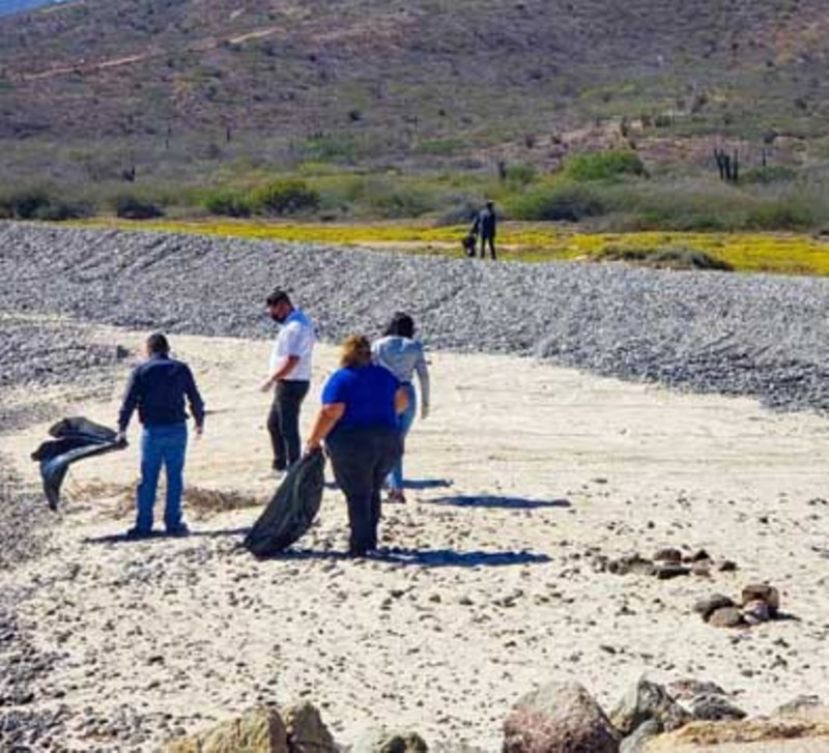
158	388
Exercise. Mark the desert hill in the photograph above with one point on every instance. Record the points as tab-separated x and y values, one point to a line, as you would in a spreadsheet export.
181	81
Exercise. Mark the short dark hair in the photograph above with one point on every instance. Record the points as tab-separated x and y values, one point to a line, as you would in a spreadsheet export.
401	325
278	296
157	344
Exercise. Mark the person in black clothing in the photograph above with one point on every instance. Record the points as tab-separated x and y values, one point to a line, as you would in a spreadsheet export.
158	388
484	225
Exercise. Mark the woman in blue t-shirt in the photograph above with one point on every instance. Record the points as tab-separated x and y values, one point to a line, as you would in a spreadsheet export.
358	422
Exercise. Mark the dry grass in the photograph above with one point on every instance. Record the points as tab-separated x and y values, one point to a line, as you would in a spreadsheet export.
199	503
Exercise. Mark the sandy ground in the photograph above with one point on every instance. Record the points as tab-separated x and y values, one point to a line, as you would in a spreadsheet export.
520	474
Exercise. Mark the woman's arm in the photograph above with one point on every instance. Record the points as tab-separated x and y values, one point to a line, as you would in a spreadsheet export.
325	421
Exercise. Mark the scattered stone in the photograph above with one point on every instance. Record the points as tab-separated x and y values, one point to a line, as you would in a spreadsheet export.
727	566
699	556
644	701
382	740
632	563
559	718
726	617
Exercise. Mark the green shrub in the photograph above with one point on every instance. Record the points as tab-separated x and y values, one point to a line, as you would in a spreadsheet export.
669	258
610	165
329	149
131	207
229	202
565	202
287	196
520	174
773	174
404	202
784	214
39	204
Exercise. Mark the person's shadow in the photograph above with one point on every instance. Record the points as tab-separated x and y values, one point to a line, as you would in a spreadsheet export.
488	501
423	557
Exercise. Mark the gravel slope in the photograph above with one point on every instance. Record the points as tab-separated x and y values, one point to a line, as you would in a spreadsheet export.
753	335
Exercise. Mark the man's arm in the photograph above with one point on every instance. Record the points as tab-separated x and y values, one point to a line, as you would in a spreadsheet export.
282	371
129	403
194	398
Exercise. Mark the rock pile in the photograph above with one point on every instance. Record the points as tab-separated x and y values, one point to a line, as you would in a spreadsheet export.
758	603
562	718
665	564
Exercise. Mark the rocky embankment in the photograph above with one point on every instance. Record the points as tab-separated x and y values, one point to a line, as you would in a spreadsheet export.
754	335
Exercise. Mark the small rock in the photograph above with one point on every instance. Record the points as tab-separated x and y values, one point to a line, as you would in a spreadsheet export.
726	617
688	687
727	566
713	707
648	700
756	611
668	554
798	705
636	742
306	731
701	569
388	741
762	592
710	604
699	556
671	570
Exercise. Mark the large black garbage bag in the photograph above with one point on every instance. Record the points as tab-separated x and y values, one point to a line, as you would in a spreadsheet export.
75	439
292	509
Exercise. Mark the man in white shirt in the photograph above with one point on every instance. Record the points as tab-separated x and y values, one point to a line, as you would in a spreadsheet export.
290	377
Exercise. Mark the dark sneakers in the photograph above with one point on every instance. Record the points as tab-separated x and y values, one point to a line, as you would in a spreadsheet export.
179	532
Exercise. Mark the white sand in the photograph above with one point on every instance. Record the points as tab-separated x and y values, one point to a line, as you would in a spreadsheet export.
550	462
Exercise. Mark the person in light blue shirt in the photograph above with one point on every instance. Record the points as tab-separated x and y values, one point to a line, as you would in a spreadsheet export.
404	356
358	423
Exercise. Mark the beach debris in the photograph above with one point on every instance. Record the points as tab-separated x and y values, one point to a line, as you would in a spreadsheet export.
646	701
559	718
710	604
799	705
762	592
383	740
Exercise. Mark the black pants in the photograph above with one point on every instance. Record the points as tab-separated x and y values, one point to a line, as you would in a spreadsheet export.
490	239
283	422
362	458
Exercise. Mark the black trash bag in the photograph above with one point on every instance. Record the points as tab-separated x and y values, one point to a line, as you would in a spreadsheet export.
292	510
75	439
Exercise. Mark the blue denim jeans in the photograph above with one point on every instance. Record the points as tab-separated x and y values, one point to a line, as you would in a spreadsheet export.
404	424
161	445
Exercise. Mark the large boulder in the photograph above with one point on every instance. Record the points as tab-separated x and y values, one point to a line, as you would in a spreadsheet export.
762	735
260	730
559	718
647	700
382	740
306	731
